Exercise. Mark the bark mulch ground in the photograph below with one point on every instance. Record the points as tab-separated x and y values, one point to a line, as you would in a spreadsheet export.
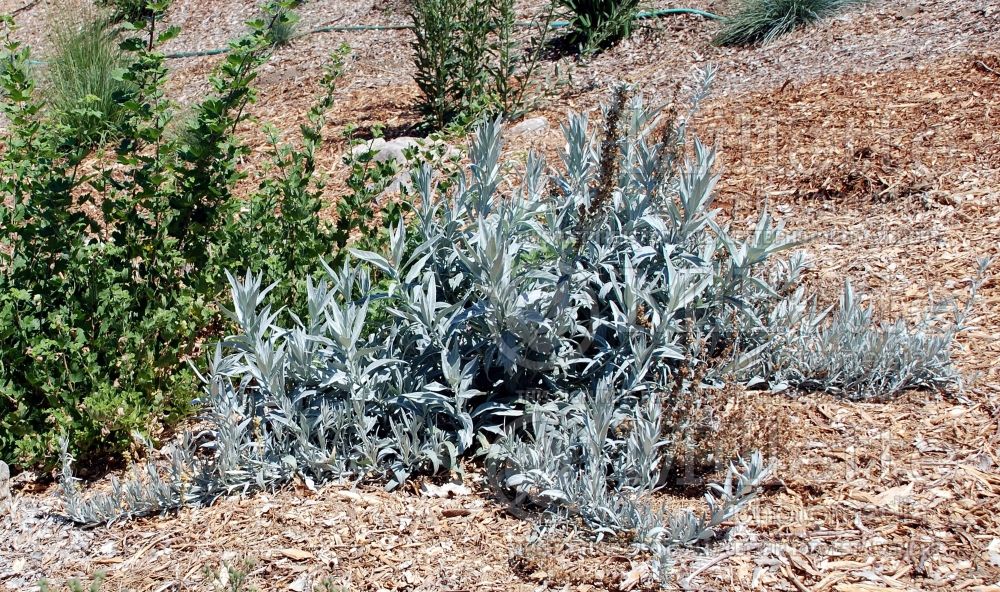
875	136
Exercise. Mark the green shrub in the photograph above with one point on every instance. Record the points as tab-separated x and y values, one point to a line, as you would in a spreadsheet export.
597	24
83	86
763	21
279	230
469	61
282	22
132	11
368	180
445	75
110	279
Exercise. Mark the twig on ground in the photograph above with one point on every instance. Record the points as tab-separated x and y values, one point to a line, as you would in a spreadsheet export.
982	66
787	572
686	583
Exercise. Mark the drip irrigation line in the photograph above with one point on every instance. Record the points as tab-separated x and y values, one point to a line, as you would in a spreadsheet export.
669	11
651	14
27	6
196	54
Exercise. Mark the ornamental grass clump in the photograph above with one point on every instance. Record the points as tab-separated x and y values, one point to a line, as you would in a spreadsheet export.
83	77
763	21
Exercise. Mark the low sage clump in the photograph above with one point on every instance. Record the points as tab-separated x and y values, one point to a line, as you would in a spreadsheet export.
849	351
551	328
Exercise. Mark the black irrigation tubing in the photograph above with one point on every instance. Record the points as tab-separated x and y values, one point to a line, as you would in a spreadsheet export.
347	28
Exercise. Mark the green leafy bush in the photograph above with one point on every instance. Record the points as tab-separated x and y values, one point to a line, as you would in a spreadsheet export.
469	59
133	11
278	230
597	24
282	22
368	180
110	278
763	21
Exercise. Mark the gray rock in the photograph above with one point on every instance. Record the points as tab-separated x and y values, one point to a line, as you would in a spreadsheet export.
908	11
375	144
391	150
384	150
396	149
529	126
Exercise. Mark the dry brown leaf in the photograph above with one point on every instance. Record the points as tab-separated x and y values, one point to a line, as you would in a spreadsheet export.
455	512
894	495
634	576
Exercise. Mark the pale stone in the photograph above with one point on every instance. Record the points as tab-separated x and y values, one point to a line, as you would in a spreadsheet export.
396	149
374	144
530	126
386	150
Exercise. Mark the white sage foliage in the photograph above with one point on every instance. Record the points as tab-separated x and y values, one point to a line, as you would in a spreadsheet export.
849	351
544	326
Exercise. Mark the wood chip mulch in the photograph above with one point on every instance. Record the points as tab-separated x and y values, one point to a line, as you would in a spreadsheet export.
875	135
